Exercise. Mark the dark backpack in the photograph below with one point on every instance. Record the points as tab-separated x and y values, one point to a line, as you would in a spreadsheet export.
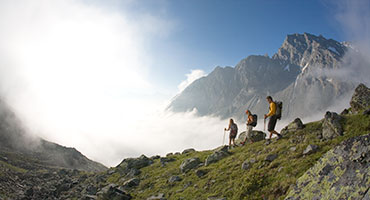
234	128
254	122
279	109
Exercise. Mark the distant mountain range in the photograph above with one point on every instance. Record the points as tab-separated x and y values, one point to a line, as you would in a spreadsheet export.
20	149
302	74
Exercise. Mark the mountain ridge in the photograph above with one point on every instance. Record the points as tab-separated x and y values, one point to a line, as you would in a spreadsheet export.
301	69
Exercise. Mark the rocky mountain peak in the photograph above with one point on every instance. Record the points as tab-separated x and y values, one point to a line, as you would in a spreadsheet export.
307	49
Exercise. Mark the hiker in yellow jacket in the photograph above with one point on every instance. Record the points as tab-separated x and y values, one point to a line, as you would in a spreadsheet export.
273	118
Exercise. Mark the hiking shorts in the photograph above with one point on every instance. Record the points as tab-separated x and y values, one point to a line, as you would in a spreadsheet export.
249	131
272	123
232	134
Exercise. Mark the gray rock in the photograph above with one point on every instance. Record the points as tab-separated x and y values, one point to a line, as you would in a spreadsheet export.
91	190
133	172
159	196
173	179
293	126
155	157
134	163
177	153
169	154
111	191
254	137
345	112
216	156
189	164
131	183
341	173
360	99
200	172
246	165
188	151
332	126
271	157
166	160
89	197
310	149
293	148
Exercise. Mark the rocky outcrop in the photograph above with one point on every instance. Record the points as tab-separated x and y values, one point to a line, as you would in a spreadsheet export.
255	136
134	163
189	164
360	99
217	155
342	173
293	126
113	192
332	126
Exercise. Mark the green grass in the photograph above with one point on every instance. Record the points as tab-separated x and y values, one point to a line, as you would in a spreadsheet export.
226	178
11	167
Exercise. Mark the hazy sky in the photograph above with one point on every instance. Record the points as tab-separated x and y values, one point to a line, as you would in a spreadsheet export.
96	75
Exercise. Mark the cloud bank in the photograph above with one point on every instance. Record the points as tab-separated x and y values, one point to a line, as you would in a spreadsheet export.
194	75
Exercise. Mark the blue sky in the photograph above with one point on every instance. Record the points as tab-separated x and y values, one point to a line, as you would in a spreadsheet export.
209	33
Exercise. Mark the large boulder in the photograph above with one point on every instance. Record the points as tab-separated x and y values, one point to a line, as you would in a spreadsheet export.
113	192
217	155
360	99
293	126
189	164
254	137
332	126
342	173
134	163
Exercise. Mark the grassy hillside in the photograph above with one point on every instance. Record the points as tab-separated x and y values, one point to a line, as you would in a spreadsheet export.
226	178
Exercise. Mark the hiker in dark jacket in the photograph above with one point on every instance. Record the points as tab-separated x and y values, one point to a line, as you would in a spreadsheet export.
273	118
248	132
233	128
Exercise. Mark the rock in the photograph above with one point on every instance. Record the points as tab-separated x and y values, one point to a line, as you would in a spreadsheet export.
155	157
89	197
188	151
189	164
134	163
111	191
133	172
177	153
159	196
169	154
360	99
254	137
216	156
293	126
271	157
366	112
173	179
200	173
332	126
293	148
310	149
345	112
131	183
91	190
166	160
246	165
341	173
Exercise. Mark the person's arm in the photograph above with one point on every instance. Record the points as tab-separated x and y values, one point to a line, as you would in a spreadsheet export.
227	129
250	119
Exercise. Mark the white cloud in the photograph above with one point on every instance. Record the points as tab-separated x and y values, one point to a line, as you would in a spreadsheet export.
194	75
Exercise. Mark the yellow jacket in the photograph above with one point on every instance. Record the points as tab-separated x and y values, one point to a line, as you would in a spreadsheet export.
272	109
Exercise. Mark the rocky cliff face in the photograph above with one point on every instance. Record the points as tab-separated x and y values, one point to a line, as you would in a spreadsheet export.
301	74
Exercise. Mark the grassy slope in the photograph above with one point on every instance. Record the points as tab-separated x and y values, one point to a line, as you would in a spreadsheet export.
226	178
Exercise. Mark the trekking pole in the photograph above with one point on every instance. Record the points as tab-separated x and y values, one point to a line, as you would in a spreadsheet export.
223	141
